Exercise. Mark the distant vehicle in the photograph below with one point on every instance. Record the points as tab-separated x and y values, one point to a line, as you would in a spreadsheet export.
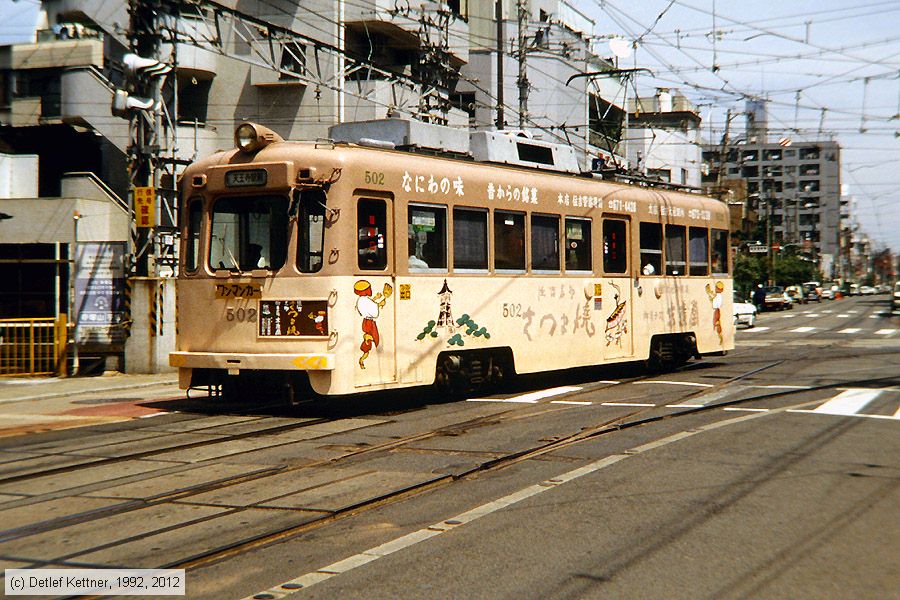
744	312
795	294
854	290
895	300
776	298
827	293
812	292
867	290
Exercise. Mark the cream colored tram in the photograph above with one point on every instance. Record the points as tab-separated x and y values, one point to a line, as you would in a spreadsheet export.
360	269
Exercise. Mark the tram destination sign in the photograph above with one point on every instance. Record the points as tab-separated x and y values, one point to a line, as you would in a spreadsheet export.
246	178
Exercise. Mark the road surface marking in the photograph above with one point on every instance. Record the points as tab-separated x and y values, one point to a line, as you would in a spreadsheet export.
788	316
530	398
848	402
625	404
685	405
852	312
781	387
740	409
813	315
843	316
850	330
609	381
756	329
575	402
886	332
689	383
827	312
802	329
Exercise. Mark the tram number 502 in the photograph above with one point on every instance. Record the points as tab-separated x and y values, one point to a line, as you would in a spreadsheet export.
375	177
240	314
512	310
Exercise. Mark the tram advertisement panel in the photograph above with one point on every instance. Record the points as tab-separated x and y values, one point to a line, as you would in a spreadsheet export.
290	318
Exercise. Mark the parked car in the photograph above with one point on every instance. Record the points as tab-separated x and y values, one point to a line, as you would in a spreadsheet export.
776	298
827	293
744	312
895	300
867	290
853	290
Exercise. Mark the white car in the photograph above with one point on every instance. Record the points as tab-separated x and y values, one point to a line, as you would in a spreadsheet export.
895	301
744	312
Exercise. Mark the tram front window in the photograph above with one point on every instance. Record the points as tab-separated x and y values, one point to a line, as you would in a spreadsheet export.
249	232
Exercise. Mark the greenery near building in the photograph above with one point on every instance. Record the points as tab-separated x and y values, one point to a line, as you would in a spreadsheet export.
790	269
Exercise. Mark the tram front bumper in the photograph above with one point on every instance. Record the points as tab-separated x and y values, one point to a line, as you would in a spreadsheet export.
235	362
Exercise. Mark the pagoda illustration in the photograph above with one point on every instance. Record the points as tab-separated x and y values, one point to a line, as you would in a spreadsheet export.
445	319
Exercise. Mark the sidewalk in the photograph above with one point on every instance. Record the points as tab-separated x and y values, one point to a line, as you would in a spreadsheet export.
32	405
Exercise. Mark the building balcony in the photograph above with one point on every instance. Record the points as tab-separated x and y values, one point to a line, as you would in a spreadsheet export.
56	53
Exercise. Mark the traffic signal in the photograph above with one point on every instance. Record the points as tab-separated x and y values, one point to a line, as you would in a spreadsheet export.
140	70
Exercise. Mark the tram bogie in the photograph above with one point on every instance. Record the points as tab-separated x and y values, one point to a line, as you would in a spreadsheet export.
344	269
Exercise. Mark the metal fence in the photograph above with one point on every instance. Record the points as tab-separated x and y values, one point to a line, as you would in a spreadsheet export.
32	346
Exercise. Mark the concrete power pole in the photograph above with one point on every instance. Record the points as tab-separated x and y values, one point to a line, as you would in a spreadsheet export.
522	80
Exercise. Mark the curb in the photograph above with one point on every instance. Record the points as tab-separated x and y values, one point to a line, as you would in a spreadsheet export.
51	395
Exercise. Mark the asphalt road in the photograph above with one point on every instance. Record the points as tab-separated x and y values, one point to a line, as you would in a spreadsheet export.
769	473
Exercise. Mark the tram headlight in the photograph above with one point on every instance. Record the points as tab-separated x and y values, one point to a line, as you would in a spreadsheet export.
250	137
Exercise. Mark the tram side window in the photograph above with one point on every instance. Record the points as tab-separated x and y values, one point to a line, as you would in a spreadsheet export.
615	247
676	261
192	243
371	225
698	250
651	248
310	207
720	251
249	232
470	250
544	243
509	241
427	237
578	244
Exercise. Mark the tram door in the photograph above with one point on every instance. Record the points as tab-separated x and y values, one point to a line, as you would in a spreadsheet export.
618	291
374	296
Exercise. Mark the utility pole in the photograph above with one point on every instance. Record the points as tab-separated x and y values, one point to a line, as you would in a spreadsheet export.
522	80
501	120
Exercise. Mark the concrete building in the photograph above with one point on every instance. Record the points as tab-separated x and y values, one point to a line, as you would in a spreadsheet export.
663	138
795	183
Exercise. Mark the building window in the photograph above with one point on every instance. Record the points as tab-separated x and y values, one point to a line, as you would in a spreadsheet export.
372	241
578	244
544	243
193	98
470	250
509	241
427	237
651	248
676	261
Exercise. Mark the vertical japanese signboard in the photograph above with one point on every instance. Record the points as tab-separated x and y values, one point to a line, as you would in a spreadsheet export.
100	293
145	206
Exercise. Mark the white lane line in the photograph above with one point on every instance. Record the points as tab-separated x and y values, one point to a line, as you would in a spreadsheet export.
852	312
848	402
688	383
802	329
298	584
788	316
827	312
813	315
574	402
625	404
530	398
863	415
886	332
850	330
740	409
756	329
781	387
609	381
685	405
151	415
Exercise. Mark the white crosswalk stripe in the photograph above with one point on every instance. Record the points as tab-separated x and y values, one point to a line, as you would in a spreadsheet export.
852	402
851	330
803	329
886	332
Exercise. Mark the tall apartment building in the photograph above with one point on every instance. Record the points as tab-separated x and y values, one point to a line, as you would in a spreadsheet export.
795	183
